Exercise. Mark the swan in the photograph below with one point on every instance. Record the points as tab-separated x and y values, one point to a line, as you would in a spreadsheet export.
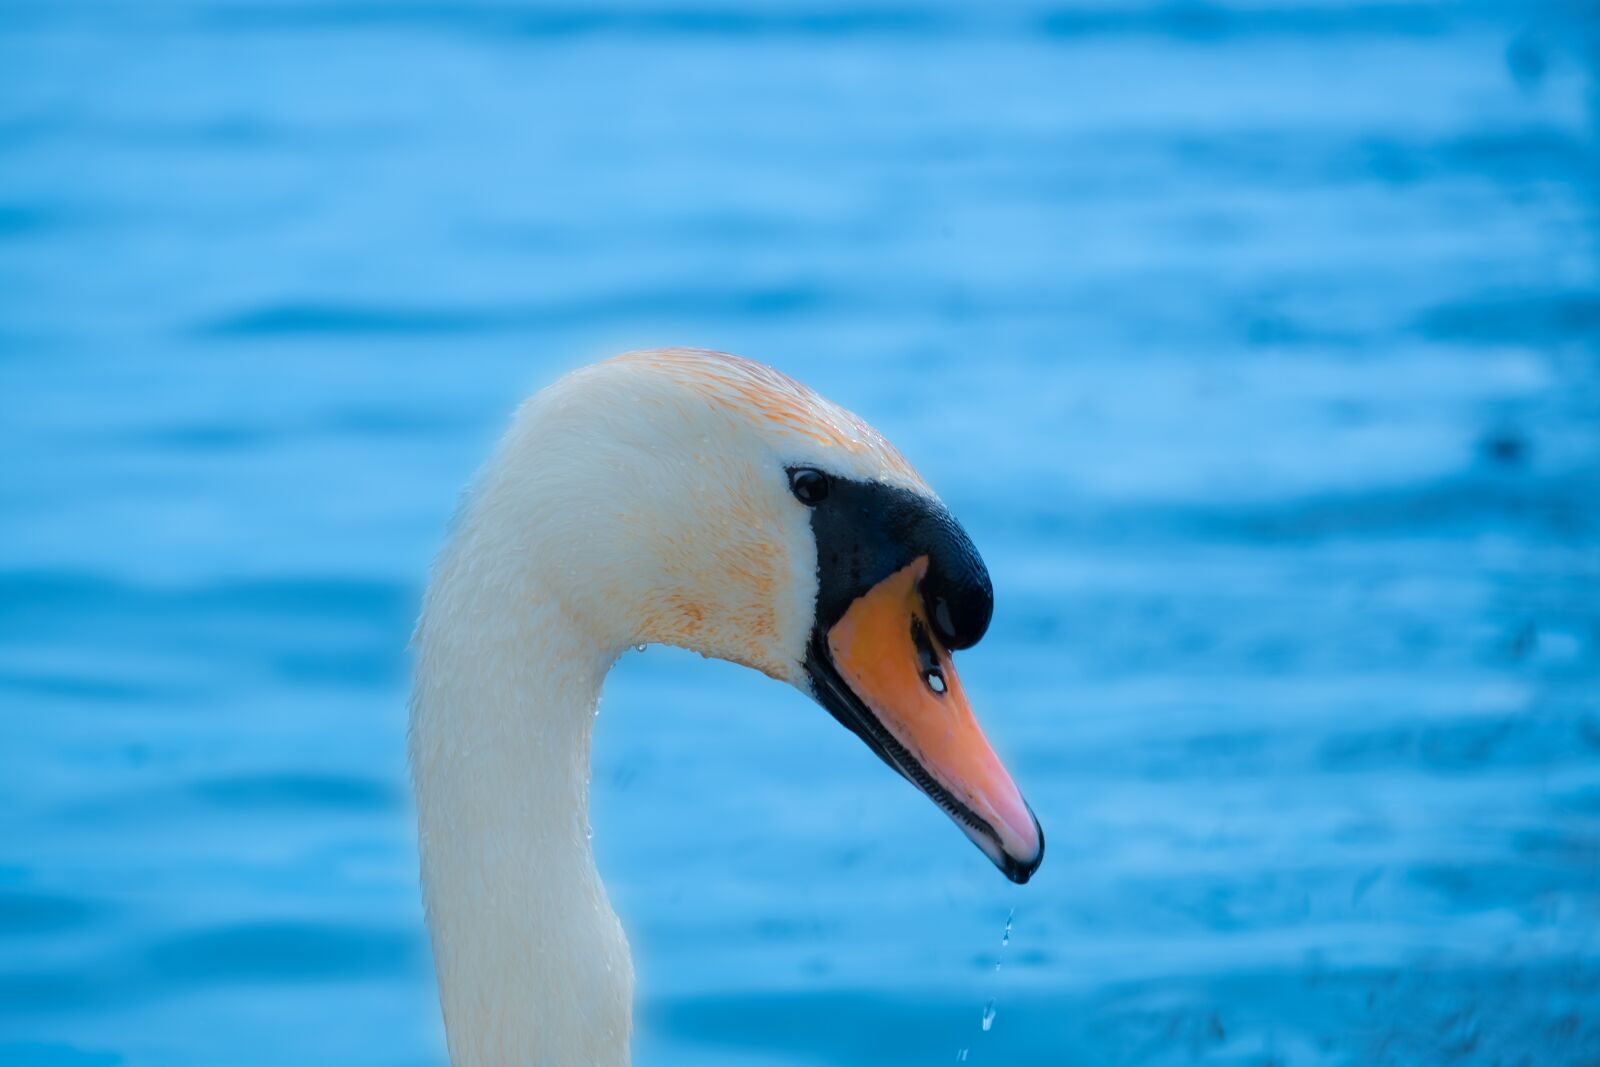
687	498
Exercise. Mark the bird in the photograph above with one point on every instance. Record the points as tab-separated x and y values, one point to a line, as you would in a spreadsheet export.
675	497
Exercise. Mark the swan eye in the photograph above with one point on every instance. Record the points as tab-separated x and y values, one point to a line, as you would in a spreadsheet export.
809	486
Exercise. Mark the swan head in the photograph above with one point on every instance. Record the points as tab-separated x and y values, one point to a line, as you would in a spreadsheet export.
705	501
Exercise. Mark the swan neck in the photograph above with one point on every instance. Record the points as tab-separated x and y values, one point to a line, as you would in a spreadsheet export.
532	964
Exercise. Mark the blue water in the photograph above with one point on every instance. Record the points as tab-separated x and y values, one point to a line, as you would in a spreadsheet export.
1256	342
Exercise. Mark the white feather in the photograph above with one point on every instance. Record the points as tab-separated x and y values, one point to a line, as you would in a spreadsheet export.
643	499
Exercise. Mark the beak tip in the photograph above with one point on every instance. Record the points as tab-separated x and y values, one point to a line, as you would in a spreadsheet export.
1020	870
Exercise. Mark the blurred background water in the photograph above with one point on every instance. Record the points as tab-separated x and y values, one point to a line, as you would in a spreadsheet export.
1255	341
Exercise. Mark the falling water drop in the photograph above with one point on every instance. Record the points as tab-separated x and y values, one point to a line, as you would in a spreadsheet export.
989	1009
639	647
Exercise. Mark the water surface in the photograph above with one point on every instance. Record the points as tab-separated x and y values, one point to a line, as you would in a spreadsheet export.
1255	343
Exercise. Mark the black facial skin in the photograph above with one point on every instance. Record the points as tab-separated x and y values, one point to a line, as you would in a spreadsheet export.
865	532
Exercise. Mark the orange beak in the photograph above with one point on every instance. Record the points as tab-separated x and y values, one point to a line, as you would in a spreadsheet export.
905	700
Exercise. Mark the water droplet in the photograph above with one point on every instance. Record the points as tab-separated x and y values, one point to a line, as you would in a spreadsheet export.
961	1056
1005	938
639	647
988	1015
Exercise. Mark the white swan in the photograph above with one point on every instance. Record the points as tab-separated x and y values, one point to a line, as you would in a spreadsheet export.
686	498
